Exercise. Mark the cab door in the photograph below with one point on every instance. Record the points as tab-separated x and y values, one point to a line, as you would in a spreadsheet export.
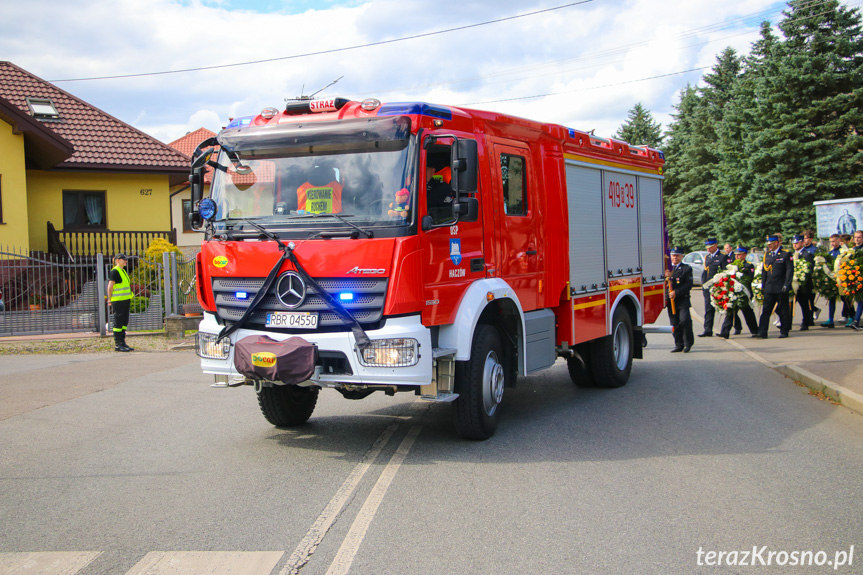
518	254
452	253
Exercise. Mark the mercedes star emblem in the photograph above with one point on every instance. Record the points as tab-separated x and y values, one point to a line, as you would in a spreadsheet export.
291	290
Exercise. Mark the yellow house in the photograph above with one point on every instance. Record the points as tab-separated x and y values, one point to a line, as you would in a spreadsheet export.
68	166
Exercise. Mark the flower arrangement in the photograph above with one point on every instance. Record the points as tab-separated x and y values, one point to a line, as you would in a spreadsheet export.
727	290
823	278
757	294
848	276
802	271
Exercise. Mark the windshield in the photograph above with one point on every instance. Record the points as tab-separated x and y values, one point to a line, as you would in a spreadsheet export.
329	176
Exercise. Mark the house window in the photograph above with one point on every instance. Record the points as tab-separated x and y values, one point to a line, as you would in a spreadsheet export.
43	109
187	209
514	188
84	210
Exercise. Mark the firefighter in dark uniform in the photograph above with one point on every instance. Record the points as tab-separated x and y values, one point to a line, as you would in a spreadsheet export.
748	271
806	290
776	275
678	283
119	300
714	262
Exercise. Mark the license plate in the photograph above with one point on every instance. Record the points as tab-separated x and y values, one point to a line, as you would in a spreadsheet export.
292	319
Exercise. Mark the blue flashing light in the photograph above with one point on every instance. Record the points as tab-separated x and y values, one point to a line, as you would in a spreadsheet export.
208	208
346	296
571	133
418	108
240	122
242	295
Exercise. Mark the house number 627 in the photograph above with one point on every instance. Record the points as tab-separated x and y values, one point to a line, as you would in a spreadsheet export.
146	191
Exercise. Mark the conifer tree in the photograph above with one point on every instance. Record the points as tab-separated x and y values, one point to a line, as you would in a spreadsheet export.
740	123
692	210
678	166
640	128
808	117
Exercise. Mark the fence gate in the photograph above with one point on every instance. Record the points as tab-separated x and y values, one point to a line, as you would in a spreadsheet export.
44	294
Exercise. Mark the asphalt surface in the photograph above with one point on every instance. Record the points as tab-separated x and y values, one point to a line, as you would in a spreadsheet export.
132	464
828	361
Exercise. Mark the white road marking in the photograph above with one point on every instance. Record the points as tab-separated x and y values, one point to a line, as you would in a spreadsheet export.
207	562
348	550
318	530
46	562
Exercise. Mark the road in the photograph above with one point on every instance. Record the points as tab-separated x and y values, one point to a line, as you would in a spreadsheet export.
132	464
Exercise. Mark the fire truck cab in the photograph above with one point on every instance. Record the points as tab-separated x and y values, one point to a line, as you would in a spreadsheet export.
423	248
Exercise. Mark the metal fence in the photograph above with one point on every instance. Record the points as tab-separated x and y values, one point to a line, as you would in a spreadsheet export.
41	293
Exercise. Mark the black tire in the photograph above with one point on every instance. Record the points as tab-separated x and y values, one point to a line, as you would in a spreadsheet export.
288	405
480	382
579	370
611	356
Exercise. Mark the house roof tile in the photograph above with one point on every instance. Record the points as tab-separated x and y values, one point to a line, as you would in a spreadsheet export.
100	141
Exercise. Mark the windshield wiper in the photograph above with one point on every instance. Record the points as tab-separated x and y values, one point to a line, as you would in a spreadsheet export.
369	234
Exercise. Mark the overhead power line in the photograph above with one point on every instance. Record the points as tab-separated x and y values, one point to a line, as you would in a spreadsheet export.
589	87
331	51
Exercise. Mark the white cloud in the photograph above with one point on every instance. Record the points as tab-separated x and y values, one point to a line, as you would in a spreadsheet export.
588	55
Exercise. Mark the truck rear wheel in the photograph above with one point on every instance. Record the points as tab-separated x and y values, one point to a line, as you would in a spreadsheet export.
479	383
288	405
612	355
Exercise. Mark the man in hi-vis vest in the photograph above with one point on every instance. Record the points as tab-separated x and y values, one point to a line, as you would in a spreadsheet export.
119	300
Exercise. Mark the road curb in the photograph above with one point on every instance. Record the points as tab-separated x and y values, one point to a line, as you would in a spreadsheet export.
846	397
836	392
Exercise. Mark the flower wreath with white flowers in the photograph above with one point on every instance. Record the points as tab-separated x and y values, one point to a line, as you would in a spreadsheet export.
757	294
824	278
728	293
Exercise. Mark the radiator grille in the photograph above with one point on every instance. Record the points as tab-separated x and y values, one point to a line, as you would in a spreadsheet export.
367	306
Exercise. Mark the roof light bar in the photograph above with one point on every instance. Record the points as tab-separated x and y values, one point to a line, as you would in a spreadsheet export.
299	107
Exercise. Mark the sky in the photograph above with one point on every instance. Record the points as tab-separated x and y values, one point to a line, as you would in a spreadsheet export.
583	64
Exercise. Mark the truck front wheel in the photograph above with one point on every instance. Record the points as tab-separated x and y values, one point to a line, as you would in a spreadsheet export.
288	405
479	383
612	355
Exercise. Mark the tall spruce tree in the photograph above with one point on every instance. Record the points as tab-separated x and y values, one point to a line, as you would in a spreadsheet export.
691	208
804	142
640	128
739	123
679	166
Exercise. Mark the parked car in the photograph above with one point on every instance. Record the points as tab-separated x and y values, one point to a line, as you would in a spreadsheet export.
695	260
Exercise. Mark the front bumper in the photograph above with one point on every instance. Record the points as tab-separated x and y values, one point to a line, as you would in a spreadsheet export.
343	343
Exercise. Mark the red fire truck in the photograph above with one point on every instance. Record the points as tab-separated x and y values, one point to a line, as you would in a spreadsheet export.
412	247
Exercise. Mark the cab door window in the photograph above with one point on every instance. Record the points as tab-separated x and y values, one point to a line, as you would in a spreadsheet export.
514	179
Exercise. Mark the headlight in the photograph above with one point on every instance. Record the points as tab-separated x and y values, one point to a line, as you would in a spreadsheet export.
206	346
390	353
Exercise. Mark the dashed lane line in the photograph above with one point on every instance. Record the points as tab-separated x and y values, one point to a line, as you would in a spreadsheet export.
46	562
203	562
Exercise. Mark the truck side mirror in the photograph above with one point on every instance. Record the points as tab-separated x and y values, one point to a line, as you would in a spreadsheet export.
200	157
466	209
196	184
464	163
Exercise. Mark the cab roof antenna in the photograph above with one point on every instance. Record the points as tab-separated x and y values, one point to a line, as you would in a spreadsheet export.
311	96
